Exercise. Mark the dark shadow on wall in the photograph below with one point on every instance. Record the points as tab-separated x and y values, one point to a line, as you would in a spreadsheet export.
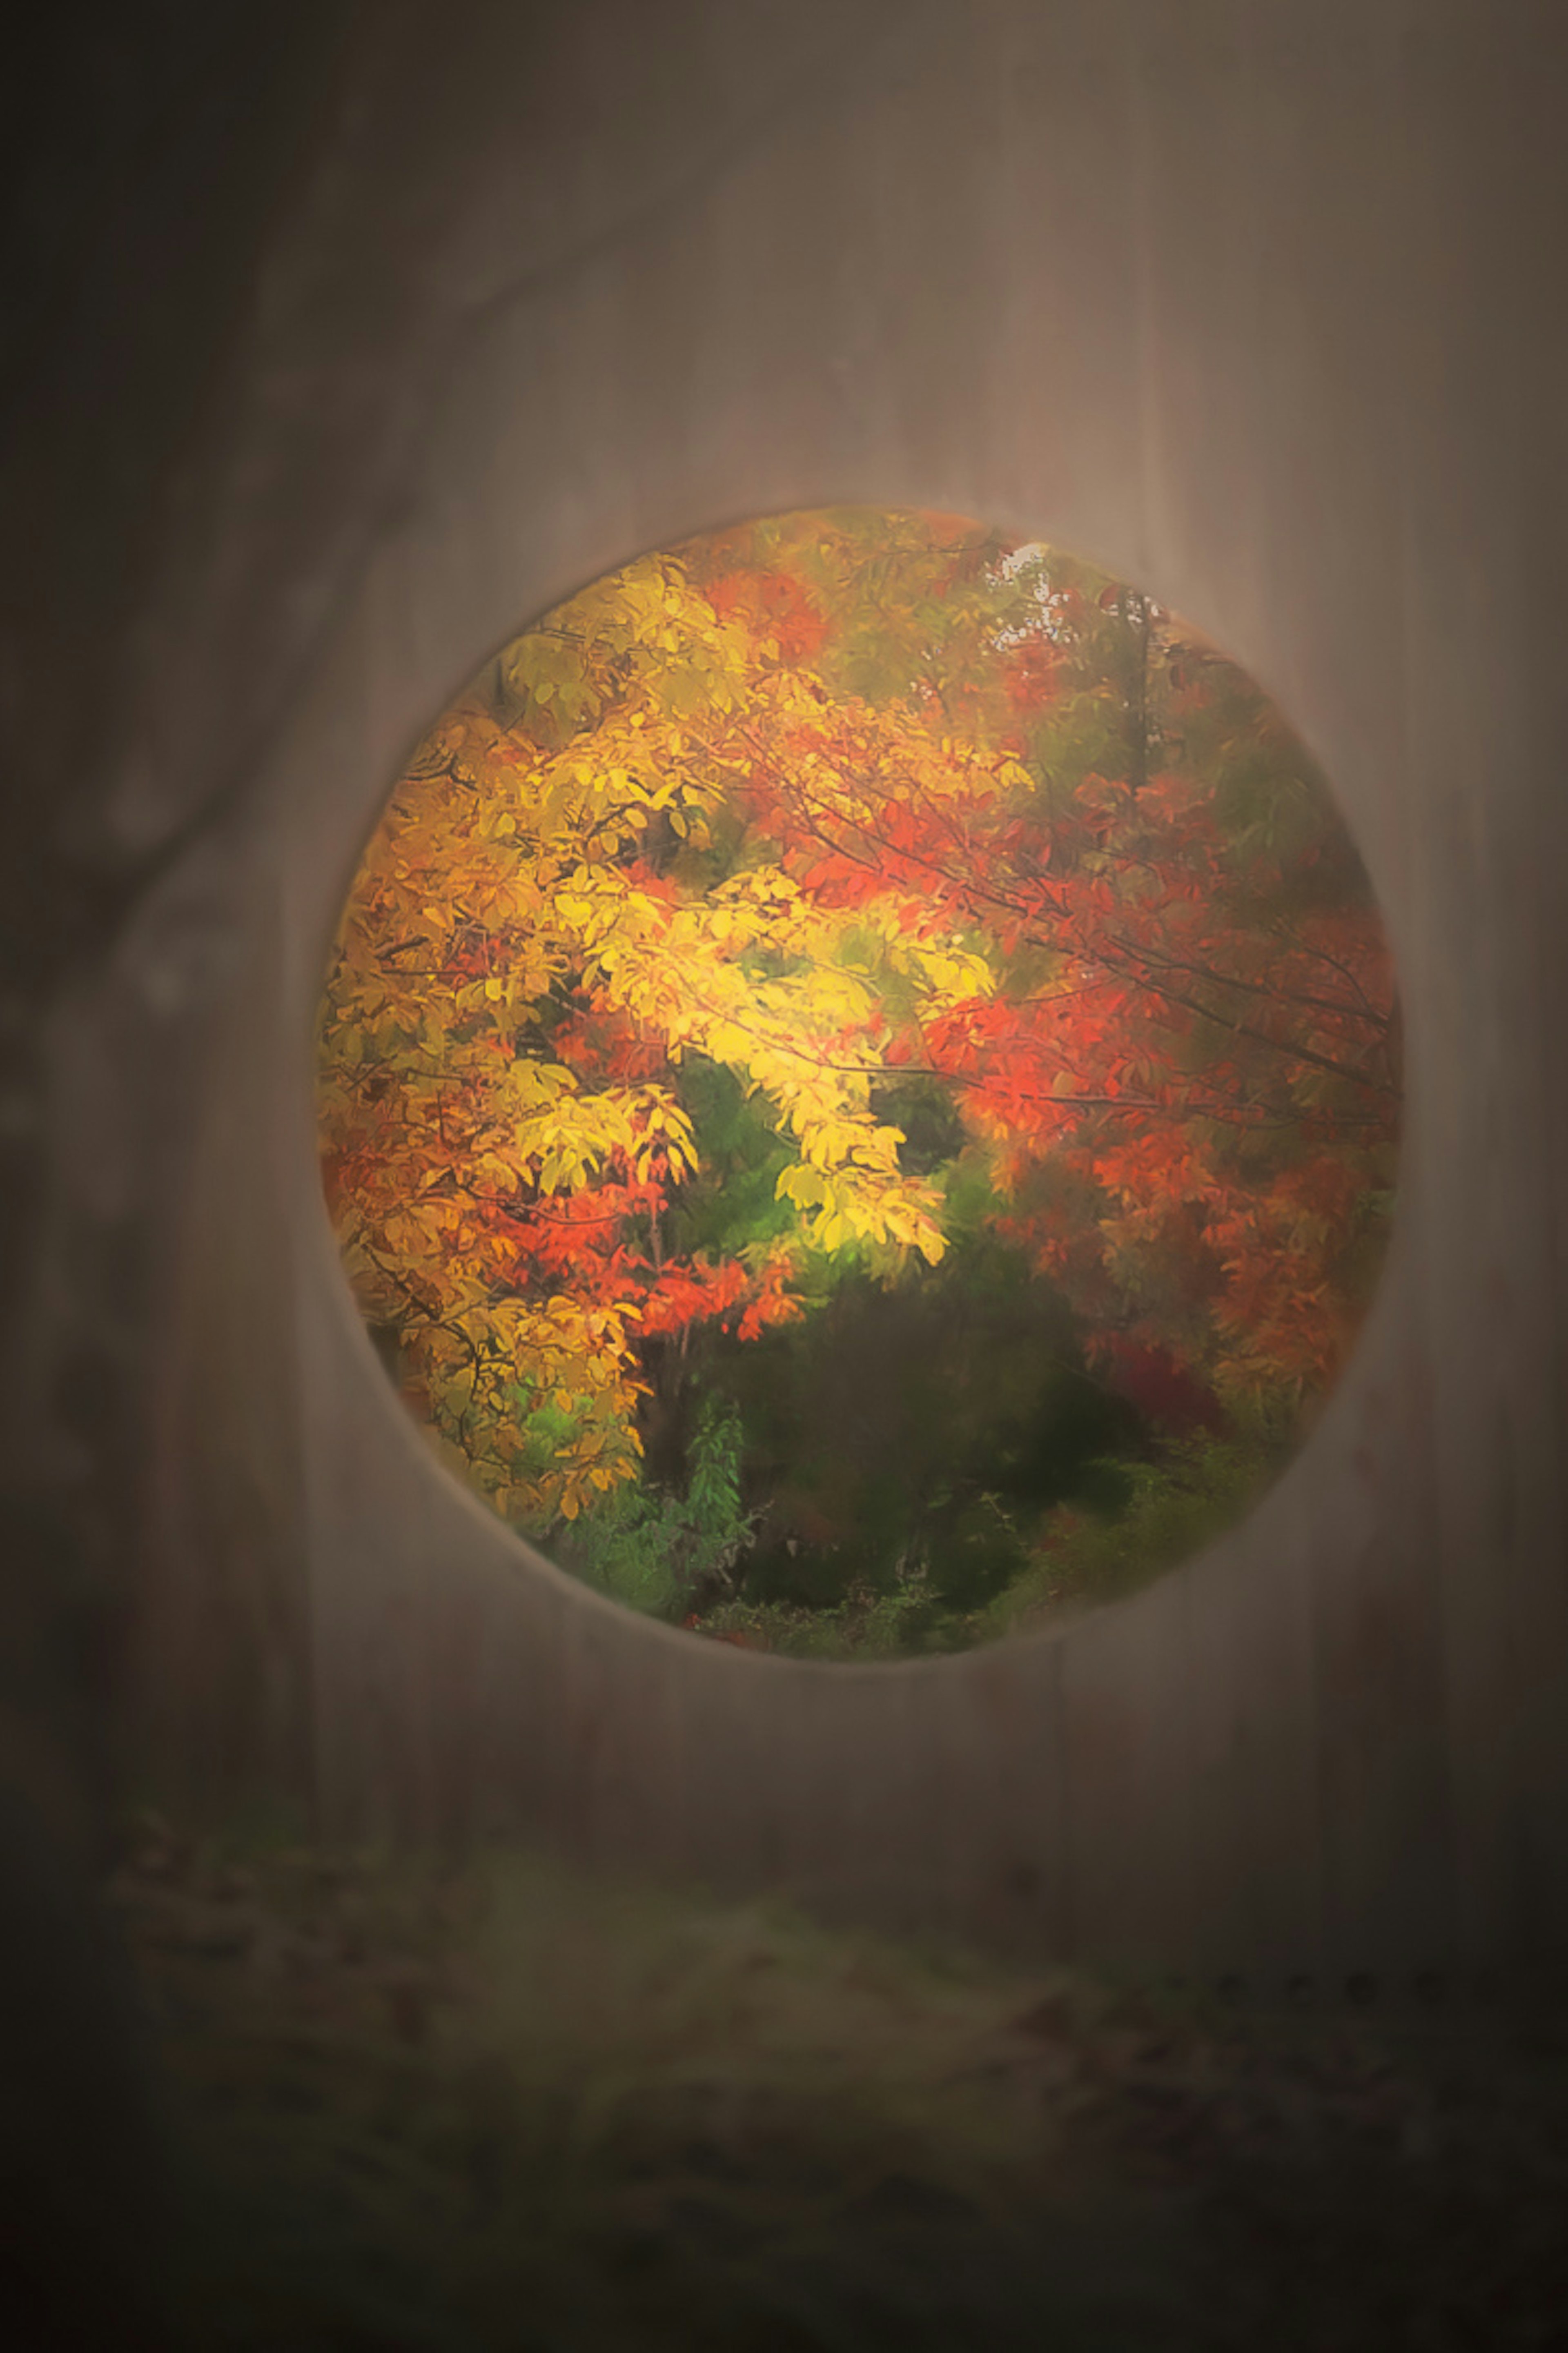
142	155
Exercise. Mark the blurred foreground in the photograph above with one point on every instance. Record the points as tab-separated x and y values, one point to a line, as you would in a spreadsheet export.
511	2106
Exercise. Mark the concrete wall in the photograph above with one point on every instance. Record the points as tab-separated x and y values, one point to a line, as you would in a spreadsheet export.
1255	304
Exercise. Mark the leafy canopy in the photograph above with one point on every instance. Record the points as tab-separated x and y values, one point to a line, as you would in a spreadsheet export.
794	906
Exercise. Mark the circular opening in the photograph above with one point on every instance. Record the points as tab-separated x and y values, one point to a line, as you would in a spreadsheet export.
859	1085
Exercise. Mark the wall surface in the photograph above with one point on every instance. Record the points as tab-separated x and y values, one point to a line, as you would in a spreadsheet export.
1255	304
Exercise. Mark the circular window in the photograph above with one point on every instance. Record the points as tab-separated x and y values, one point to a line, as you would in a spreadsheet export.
859	1085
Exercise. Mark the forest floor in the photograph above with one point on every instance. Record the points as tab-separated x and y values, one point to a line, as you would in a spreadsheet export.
513	2107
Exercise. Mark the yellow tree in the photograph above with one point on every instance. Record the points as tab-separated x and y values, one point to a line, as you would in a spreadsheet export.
556	851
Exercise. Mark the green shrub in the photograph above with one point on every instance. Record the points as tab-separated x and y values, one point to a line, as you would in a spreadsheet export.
1175	1504
656	1552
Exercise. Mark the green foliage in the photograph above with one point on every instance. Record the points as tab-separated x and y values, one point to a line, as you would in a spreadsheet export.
1130	1521
732	1204
862	1625
655	1551
1167	1510
903	1440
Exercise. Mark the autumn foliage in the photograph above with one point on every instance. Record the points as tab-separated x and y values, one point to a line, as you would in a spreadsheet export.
789	909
